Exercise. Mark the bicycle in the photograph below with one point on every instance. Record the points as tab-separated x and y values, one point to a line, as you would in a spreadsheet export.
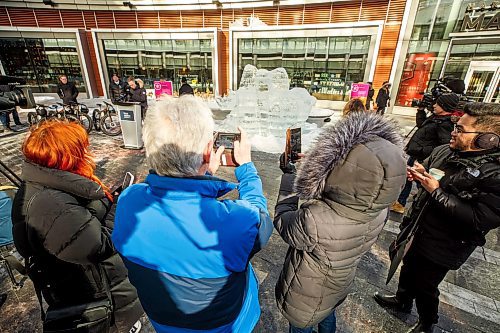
106	118
79	113
43	112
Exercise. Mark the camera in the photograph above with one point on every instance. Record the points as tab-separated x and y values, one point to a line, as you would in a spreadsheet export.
444	85
14	92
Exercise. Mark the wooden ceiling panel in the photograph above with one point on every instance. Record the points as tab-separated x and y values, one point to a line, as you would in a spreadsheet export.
48	18
22	17
125	20
374	10
105	19
72	19
268	15
317	14
170	19
148	19
343	12
291	15
192	19
90	19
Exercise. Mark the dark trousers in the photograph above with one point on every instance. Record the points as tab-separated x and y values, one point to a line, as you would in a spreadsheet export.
5	118
405	193
381	110
419	281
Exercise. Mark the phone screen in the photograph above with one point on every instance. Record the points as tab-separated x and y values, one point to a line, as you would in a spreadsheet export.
226	140
293	144
127	180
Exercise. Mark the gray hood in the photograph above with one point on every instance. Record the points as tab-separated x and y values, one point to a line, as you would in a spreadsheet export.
357	163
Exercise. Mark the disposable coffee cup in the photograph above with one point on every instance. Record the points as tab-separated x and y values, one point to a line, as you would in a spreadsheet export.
436	173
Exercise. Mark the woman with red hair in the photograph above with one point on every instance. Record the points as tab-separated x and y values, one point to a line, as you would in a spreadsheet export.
62	223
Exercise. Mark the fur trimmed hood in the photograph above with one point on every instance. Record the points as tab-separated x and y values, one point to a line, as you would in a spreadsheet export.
376	164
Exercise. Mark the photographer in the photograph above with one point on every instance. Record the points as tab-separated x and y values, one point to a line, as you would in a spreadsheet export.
7	107
67	91
432	131
349	178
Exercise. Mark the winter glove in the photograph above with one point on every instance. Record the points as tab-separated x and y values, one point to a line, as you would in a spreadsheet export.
289	167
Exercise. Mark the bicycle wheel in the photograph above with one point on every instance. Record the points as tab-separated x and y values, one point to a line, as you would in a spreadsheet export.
84	120
110	125
33	118
95	119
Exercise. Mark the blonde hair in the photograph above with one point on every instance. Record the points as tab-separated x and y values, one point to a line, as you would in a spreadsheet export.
354	105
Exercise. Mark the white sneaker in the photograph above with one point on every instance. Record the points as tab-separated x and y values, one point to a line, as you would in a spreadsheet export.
136	328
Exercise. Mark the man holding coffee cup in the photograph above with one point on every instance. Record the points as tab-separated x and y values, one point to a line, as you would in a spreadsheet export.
432	131
453	213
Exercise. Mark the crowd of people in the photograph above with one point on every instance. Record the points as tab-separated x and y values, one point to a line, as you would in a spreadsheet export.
172	248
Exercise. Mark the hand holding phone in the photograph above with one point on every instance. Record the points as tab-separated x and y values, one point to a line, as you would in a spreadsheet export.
242	148
127	180
226	140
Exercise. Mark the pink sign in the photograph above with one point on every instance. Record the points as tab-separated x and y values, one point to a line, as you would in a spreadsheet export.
163	88
360	90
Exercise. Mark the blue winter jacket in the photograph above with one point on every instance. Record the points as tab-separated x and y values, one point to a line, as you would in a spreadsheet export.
188	253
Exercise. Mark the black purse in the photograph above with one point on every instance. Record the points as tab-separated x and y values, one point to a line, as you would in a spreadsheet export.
91	317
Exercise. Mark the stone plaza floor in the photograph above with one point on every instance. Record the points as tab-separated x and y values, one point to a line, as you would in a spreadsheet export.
470	296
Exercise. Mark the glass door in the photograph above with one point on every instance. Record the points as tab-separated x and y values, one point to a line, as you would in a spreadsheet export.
482	81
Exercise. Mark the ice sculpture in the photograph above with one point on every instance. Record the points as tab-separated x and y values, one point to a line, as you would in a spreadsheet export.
264	104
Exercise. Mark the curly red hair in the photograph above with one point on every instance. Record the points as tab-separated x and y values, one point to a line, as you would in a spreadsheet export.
62	145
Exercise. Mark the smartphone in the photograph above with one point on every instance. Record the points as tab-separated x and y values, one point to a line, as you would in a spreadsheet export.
293	144
227	140
127	180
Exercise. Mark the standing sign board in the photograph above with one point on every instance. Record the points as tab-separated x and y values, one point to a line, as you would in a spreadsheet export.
131	124
163	88
360	90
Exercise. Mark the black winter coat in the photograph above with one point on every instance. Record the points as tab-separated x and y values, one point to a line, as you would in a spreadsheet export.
63	221
382	98
67	92
117	91
432	132
462	211
139	95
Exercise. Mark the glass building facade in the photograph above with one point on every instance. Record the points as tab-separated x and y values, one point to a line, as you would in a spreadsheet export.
441	45
161	59
326	66
41	61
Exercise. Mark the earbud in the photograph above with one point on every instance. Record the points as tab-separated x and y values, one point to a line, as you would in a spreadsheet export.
486	141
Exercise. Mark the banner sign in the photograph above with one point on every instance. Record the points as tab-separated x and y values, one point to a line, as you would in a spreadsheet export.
163	88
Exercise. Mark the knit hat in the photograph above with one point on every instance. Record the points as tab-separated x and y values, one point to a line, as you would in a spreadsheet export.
448	102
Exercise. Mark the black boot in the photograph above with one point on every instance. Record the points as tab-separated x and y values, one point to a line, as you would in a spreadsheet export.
392	302
422	327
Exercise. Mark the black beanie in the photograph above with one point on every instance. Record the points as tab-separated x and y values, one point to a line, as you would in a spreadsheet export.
448	102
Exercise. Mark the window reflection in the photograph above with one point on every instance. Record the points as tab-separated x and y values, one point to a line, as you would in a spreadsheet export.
41	60
161	59
326	66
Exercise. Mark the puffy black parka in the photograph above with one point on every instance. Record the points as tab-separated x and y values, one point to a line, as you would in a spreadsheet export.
118	91
63	222
432	132
67	92
454	219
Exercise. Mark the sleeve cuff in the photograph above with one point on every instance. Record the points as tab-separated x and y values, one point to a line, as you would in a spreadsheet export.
244	169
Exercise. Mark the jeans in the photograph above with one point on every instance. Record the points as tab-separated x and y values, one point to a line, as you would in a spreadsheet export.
328	325
405	193
5	118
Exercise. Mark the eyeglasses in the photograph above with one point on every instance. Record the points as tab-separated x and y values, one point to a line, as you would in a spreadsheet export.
459	130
